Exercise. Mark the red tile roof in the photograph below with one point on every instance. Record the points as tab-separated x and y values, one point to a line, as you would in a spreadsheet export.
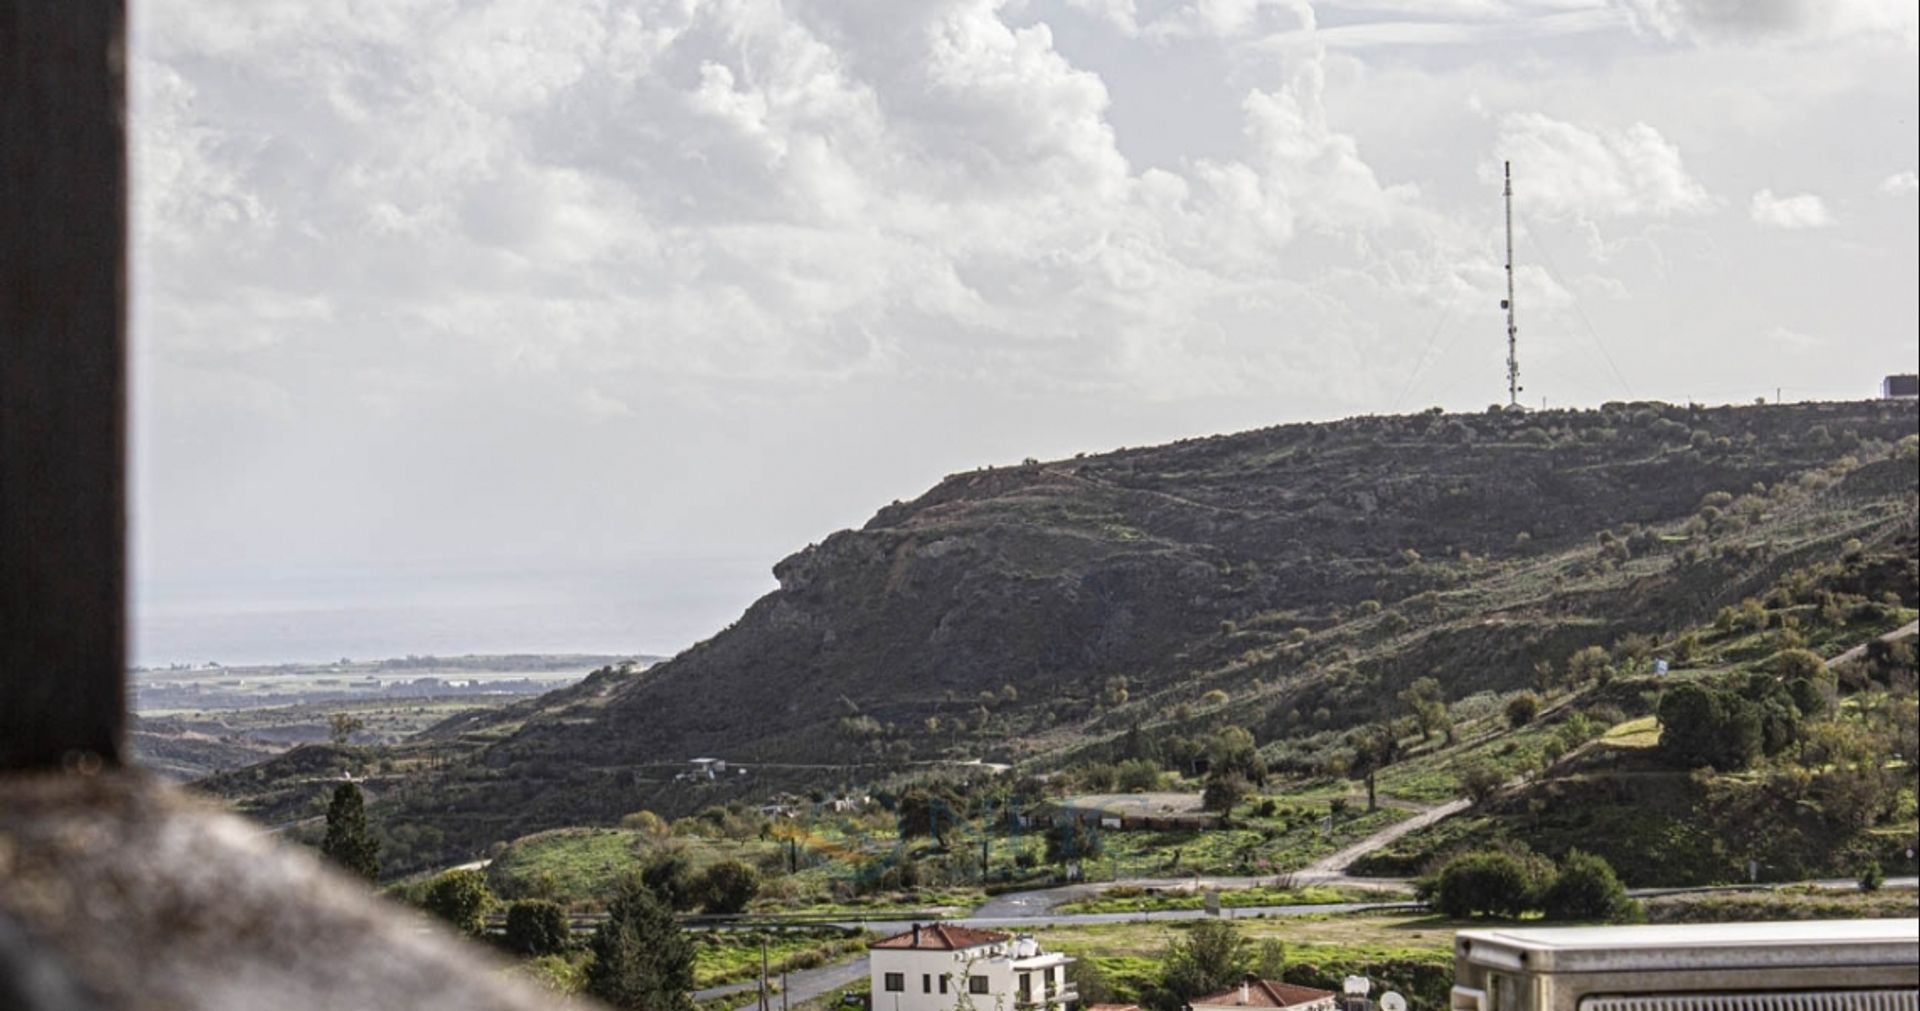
1264	993
941	937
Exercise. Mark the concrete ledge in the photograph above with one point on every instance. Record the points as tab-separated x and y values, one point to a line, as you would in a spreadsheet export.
120	892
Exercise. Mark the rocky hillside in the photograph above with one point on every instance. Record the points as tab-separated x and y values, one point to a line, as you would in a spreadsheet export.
1290	579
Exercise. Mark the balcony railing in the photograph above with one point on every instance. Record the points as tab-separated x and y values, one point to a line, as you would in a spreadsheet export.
1060	997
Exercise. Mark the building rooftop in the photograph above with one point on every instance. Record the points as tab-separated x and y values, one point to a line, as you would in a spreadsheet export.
1696	945
941	937
1264	993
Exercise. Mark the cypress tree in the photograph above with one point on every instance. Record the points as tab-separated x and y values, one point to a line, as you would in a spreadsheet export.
348	842
641	960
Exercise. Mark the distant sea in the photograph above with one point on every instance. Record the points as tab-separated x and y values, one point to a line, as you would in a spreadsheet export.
657	606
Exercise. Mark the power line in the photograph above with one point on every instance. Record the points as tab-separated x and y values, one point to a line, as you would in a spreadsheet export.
1553	270
1421	362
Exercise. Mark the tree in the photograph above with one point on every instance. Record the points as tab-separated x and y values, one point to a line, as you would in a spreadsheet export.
1233	750
927	813
1212	957
1374	748
641	960
1689	716
538	927
1585	888
727	887
1522	709
461	898
348	842
1480	779
1223	792
1071	841
342	726
1427	701
1482	884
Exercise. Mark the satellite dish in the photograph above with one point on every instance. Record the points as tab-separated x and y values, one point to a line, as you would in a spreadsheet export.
1357	986
1391	1001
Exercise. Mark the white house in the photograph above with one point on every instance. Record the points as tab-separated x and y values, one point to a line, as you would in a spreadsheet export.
1267	993
938	967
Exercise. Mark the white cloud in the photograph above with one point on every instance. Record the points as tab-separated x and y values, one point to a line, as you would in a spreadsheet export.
1800	210
682	243
1572	171
1901	184
1771	20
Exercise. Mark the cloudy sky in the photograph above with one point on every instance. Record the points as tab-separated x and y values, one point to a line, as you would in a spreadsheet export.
493	313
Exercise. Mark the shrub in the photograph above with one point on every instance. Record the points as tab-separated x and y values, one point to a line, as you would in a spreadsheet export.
537	927
671	879
1138	775
1585	888
1482	884
1589	664
461	898
727	887
1479	779
1871	877
1522	709
1797	663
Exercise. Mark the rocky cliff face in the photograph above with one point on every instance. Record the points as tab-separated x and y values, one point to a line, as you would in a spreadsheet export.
1055	579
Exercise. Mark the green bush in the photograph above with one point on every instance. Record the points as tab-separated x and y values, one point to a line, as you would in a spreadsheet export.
1872	877
727	887
1523	709
1585	888
537	927
461	898
1482	884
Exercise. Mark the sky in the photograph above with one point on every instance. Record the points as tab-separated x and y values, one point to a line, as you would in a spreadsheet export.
553	324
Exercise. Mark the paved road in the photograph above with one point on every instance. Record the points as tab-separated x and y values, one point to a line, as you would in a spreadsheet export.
804	985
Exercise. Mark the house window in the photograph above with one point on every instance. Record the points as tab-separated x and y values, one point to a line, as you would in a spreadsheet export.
896	982
976	984
943	983
1026	987
926	983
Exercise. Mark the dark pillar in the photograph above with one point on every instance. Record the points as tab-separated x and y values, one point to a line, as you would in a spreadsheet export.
62	383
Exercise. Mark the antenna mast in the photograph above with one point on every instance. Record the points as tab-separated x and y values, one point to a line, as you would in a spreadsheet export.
1513	332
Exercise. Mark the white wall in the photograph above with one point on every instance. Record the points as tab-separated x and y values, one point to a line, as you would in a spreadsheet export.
921	972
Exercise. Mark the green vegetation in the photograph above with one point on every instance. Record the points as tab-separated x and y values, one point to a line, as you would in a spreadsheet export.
1757	757
1411	954
1484	884
347	842
1134	899
1357	598
461	898
537	927
641	960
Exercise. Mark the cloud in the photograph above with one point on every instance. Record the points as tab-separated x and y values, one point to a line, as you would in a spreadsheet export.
1748	21
1570	171
1901	184
1801	210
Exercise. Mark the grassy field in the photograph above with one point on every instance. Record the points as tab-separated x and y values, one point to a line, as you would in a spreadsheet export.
1143	900
1412	954
1253	846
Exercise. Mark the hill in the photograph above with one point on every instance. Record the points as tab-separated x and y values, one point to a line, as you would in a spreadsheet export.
1290	580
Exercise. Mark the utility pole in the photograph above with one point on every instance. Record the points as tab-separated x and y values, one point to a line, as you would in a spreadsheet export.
1513	332
766	999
